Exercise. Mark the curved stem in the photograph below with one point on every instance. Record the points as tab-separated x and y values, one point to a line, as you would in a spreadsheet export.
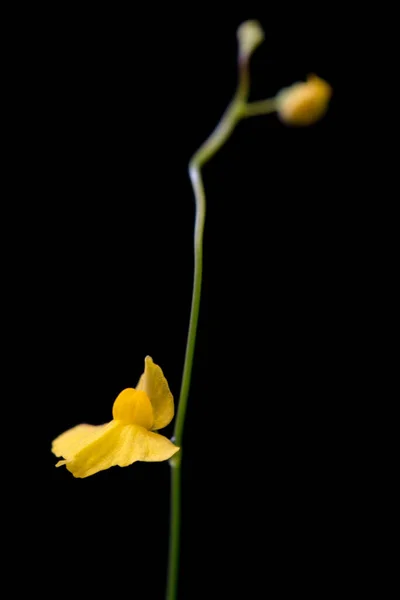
220	135
213	143
198	188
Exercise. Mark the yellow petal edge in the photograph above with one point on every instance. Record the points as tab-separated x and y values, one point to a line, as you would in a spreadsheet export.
156	387
113	444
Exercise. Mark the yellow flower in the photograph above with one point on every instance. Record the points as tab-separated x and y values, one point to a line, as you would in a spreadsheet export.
129	437
304	103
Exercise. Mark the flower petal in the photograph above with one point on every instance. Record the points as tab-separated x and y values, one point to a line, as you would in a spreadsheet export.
133	407
119	445
156	387
157	447
70	442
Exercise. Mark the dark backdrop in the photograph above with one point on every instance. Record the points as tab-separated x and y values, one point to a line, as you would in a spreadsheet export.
119	100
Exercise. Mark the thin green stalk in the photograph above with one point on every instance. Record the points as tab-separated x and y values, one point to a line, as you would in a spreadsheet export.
222	132
264	107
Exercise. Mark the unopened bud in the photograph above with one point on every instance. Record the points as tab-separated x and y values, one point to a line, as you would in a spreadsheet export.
304	103
250	35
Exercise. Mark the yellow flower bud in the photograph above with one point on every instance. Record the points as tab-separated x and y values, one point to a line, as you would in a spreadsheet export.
304	103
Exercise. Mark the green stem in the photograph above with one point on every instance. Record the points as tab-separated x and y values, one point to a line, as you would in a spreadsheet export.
264	107
222	132
175	532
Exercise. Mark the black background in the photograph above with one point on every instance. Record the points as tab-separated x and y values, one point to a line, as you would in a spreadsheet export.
118	102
